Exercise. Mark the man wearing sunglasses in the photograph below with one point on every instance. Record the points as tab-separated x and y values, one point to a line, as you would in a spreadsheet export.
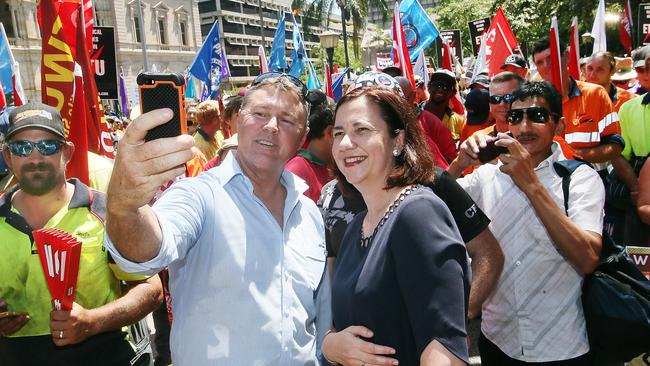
642	84
534	315
244	247
592	126
442	87
37	153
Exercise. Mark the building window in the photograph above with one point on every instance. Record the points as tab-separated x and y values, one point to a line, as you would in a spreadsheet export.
136	29
183	29
161	30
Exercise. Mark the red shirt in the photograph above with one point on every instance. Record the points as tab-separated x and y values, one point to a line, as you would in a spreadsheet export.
312	170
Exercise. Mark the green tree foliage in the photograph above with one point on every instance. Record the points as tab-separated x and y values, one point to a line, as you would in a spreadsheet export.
530	19
317	13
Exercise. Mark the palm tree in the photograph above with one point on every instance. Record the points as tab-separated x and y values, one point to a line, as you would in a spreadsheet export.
317	13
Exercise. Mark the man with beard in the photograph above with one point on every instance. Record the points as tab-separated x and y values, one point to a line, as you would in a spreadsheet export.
442	87
92	332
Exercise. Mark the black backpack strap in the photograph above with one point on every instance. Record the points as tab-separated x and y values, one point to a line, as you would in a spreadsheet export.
564	169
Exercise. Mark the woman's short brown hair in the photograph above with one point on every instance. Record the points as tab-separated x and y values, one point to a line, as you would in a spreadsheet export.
414	165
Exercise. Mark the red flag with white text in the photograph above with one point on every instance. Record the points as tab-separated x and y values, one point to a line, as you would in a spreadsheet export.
574	51
556	64
58	48
500	42
625	28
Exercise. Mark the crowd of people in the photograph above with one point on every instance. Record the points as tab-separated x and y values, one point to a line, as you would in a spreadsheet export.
371	231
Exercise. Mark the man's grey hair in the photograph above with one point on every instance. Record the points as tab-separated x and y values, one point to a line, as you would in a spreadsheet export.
282	83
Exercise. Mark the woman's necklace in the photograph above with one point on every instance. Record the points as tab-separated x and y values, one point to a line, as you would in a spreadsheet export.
366	240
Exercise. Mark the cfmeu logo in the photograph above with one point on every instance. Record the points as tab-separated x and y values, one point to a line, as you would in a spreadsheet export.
470	212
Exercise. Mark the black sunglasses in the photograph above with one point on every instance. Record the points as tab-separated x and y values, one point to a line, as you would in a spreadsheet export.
24	148
534	114
294	80
496	99
445	87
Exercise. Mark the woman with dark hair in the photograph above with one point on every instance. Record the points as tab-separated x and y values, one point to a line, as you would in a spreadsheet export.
402	278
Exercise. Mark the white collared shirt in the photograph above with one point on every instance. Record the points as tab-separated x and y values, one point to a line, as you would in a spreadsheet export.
245	290
535	313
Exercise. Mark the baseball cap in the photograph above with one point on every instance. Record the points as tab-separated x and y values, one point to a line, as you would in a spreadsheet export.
35	115
480	80
516	60
477	103
640	55
443	74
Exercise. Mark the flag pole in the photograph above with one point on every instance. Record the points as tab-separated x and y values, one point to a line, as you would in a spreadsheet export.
143	43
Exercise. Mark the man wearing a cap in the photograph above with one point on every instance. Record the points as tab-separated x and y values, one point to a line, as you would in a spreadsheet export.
642	85
91	333
442	87
517	64
600	68
625	72
592	126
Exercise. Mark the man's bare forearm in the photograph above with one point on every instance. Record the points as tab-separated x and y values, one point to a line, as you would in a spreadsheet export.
487	264
600	154
141	299
136	234
625	173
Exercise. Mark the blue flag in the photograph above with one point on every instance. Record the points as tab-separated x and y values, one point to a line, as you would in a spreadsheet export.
190	90
278	60
337	86
419	29
6	67
207	66
298	55
313	82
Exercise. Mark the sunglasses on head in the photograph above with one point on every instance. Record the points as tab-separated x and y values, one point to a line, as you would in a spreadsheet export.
534	114
496	99
292	79
24	148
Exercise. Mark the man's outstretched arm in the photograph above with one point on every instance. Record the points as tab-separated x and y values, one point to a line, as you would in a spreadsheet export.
139	171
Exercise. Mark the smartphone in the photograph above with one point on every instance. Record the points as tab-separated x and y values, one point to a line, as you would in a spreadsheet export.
163	90
9	314
491	151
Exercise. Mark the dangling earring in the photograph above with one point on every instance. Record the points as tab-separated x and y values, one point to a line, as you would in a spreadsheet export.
395	152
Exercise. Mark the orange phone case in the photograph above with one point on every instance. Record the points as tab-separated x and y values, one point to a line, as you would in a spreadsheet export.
158	90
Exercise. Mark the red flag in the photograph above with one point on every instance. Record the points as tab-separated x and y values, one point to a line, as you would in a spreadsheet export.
90	21
3	101
76	132
574	51
328	81
446	56
400	51
99	136
58	47
19	92
556	64
625	28
500	42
